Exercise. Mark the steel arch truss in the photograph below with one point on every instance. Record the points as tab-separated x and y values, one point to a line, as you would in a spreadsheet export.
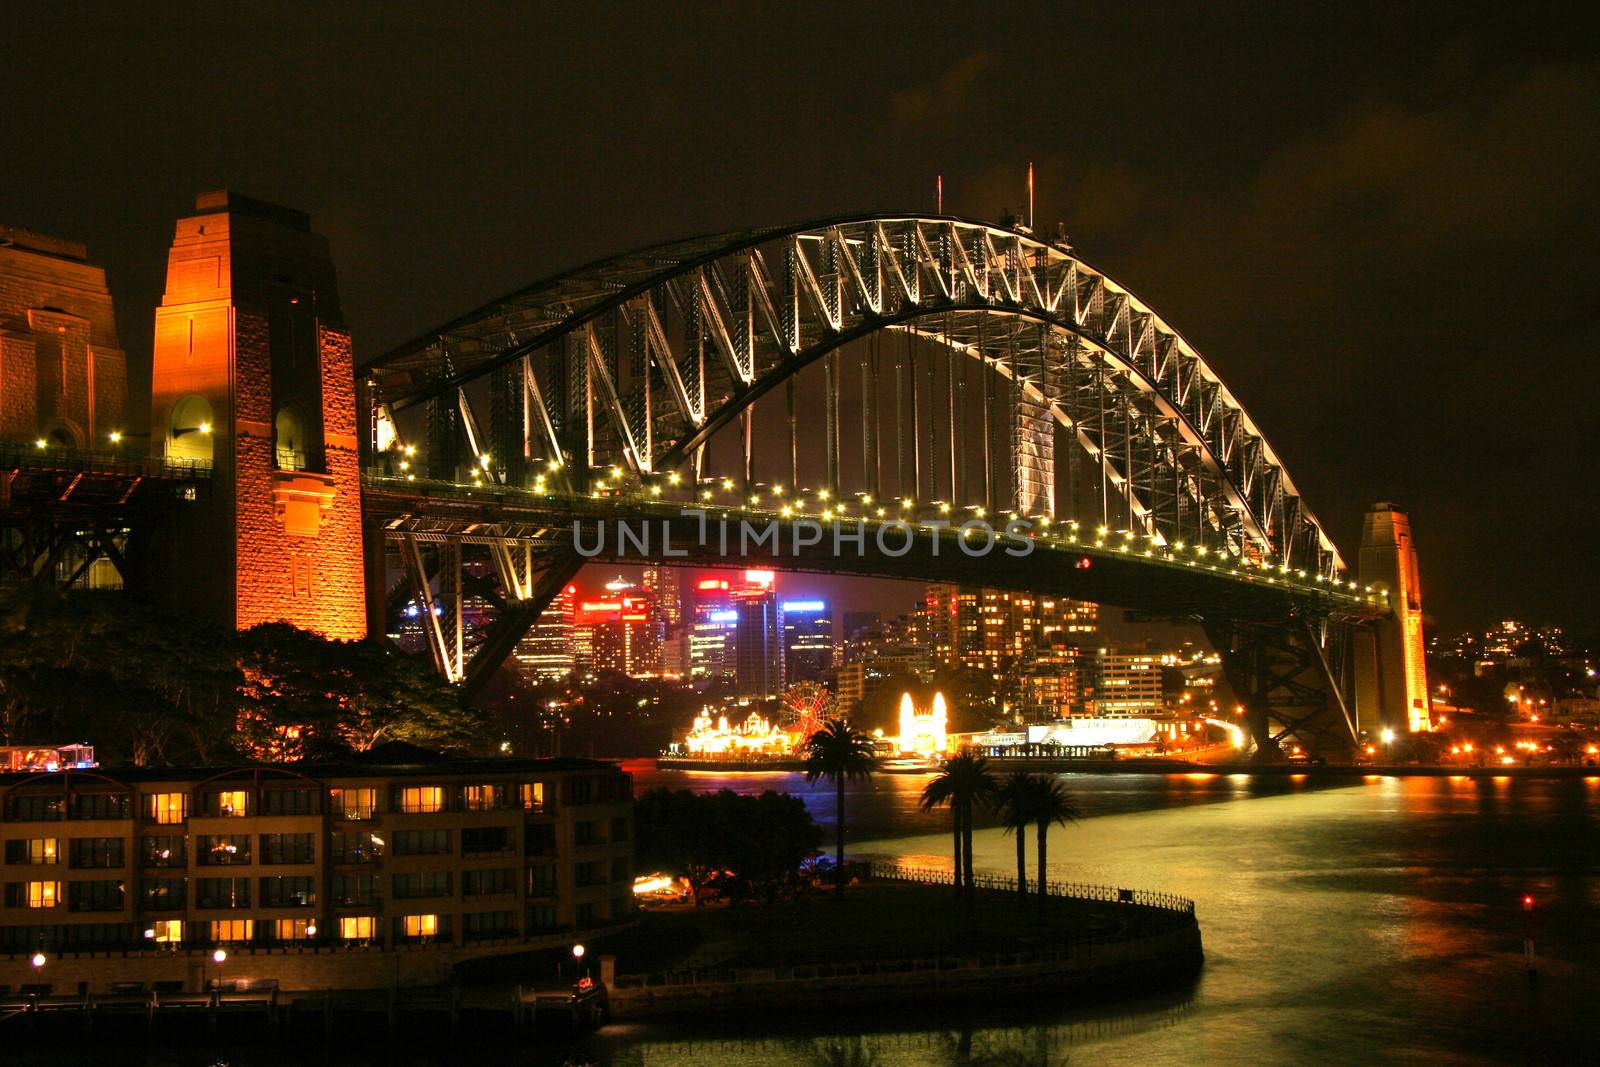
635	362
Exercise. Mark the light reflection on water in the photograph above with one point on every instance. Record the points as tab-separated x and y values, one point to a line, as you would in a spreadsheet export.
1374	921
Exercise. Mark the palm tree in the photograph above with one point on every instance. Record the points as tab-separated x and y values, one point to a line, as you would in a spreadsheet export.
840	753
1050	804
1014	802
964	783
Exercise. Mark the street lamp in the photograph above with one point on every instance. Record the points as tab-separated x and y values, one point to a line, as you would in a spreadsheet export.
38	960
1387	735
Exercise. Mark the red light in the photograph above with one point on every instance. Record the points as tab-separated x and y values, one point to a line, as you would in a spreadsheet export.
1083	563
1527	902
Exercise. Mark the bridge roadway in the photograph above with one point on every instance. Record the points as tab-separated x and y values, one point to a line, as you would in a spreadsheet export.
1061	558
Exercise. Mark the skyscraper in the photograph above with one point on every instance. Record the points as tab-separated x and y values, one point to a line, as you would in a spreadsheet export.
661	588
807	640
545	654
757	642
613	633
711	631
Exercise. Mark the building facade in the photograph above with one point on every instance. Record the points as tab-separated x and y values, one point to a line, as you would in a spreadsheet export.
758	649
314	874
253	374
1127	683
63	374
807	640
545	654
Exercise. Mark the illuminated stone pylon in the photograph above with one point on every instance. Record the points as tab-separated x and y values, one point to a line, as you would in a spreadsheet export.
1391	672
253	374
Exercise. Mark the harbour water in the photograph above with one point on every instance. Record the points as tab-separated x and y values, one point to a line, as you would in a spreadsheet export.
1379	921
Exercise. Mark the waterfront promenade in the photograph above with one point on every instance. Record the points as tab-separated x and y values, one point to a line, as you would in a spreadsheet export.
904	931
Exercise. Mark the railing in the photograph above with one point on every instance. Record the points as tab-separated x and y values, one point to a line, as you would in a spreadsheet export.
32	457
889	872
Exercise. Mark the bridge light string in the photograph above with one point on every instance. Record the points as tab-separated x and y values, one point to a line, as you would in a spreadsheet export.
1169	552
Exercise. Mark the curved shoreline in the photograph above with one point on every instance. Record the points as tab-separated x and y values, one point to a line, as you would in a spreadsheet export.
1175	766
1144	939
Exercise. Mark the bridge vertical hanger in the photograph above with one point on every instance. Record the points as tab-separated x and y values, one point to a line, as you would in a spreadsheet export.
986	381
869	416
916	417
794	436
951	435
636	458
747	445
958	431
535	403
831	420
901	452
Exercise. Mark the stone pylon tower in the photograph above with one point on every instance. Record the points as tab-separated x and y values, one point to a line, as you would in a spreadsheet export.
1392	675
253	374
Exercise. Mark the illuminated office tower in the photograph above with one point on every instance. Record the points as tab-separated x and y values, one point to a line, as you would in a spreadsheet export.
666	620
712	625
1127	683
807	640
757	641
546	653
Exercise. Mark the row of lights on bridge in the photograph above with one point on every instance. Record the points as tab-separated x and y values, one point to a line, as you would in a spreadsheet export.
831	509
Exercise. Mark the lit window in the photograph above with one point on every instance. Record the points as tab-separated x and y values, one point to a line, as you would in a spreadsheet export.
232	930
482	797
357	927
533	796
43	894
421	925
34	850
168	931
231	802
354	803
421	798
293	929
167	808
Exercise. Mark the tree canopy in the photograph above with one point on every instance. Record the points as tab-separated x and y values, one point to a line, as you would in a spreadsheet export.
753	844
148	688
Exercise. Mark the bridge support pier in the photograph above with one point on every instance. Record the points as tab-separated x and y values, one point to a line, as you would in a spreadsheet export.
1288	675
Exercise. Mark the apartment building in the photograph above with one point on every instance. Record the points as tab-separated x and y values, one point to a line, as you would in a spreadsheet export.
279	865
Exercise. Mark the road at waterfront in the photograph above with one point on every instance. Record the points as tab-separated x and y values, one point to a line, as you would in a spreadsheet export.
1372	922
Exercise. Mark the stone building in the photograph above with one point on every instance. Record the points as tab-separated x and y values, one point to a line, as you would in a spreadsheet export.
63	374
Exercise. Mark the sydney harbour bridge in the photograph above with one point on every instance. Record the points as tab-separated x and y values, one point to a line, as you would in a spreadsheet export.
892	395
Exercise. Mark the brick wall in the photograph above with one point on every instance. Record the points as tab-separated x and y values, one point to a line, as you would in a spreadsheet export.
212	339
55	311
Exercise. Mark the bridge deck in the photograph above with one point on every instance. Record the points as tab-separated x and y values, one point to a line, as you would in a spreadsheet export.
1062	559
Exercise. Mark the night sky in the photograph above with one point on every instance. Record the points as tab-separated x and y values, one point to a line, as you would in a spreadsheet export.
1378	226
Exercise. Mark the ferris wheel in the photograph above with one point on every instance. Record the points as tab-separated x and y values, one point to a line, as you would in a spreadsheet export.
805	705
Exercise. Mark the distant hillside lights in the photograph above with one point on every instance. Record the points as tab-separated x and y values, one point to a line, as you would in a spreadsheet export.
922	732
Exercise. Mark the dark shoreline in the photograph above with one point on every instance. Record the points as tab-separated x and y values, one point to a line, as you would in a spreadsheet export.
1174	766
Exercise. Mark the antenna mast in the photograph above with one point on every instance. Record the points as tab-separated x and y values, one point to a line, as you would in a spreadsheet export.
1030	194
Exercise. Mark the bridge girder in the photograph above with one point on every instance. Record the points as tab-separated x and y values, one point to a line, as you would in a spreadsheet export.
620	375
638	360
